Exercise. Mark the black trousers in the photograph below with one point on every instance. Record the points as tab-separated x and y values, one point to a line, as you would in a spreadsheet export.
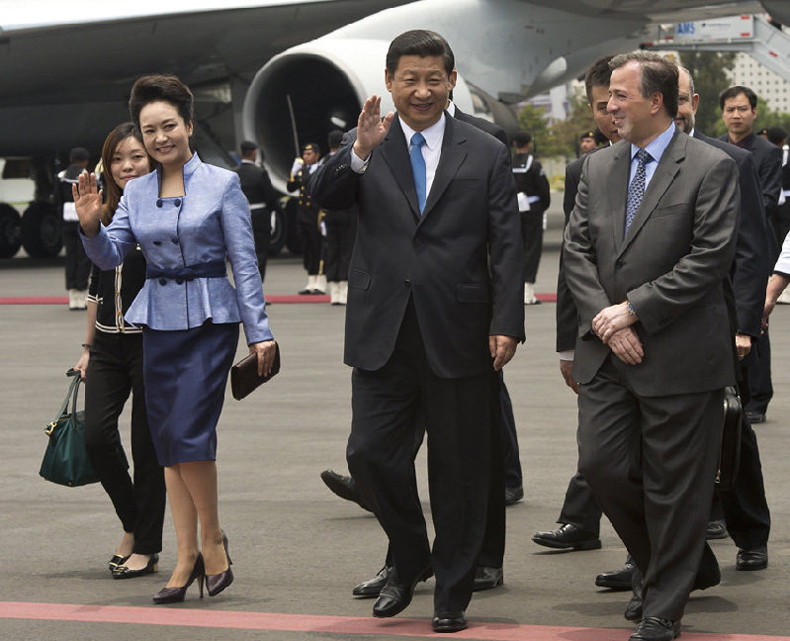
744	507
114	370
78	265
651	462
310	240
532	236
507	425
761	389
580	507
262	233
387	405
341	231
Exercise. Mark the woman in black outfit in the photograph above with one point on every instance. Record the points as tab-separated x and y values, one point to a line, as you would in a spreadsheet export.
112	367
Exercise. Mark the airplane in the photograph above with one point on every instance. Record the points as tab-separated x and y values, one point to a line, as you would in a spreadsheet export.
281	72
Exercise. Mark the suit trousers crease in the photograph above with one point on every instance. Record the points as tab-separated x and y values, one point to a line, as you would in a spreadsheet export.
114	370
386	405
651	463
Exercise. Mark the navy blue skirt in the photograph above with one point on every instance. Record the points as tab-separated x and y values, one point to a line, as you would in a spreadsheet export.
185	375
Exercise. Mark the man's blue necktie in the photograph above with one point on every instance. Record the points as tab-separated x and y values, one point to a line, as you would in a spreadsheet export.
418	167
636	189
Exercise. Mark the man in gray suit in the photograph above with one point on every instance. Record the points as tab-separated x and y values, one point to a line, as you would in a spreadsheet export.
647	249
434	302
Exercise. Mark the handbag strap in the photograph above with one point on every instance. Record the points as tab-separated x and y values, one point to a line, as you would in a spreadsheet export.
76	387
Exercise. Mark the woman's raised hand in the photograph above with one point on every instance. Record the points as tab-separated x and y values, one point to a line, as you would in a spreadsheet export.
87	202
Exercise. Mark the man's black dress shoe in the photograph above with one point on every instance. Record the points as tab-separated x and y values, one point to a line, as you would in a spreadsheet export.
716	530
372	587
487	578
616	580
756	559
448	621
344	487
567	537
755	417
656	629
633	609
514	494
395	596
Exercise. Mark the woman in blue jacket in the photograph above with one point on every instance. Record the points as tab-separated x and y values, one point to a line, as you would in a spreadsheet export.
187	217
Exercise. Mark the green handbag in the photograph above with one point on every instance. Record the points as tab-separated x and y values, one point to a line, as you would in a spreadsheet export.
66	460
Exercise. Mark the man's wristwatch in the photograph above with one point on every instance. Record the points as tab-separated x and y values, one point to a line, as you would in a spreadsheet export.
631	310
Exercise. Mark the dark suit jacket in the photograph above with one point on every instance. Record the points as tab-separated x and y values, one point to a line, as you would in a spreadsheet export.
440	260
768	158
671	266
749	271
484	125
257	186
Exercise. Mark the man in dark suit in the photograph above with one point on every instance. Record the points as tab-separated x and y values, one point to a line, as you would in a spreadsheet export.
739	111
257	187
647	250
744	507
580	515
434	303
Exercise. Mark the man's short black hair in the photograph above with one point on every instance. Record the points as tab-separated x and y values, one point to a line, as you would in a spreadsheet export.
521	138
247	145
597	76
334	138
776	135
79	154
422	43
737	90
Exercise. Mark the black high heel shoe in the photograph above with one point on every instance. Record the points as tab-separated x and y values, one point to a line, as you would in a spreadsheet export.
176	595
216	583
122	572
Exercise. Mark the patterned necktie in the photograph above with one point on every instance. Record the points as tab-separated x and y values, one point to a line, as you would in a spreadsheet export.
418	167
636	189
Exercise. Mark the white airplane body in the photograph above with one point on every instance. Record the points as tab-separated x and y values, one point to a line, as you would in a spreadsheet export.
286	72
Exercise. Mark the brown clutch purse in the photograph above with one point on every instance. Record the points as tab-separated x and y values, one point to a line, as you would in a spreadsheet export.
244	374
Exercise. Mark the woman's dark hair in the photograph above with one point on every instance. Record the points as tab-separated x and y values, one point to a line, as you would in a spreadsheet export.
161	88
111	189
422	43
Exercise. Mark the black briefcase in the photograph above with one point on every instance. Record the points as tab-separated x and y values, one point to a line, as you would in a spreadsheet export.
730	457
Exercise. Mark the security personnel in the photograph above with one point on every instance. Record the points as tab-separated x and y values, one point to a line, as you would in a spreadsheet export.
533	200
308	219
587	142
257	187
78	265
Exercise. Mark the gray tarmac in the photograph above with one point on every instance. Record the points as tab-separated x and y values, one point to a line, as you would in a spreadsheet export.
297	549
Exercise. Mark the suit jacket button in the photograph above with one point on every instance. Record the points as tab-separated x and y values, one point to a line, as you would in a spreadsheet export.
407	282
159	202
163	281
618	263
418	241
157	242
177	202
174	241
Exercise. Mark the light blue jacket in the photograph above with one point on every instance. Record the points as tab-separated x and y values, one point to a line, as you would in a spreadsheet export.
208	224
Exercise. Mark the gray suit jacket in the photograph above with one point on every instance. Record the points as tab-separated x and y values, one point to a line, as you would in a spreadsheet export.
460	261
671	266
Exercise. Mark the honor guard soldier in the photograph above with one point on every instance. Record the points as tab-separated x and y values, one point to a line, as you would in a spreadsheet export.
587	142
533	200
308	219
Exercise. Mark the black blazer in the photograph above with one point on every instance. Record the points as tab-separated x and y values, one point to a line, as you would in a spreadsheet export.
460	261
750	268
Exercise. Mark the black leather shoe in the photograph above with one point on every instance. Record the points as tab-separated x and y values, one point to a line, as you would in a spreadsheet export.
122	572
656	629
716	530
633	610
514	494
616	580
567	537
448	621
344	487
487	578
395	596
372	587
756	559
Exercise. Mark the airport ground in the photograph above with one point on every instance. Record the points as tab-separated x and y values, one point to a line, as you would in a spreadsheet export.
297	549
